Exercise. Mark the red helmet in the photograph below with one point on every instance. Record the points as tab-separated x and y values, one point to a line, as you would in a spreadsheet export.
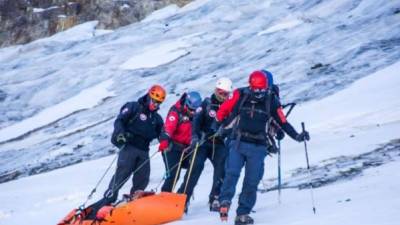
258	80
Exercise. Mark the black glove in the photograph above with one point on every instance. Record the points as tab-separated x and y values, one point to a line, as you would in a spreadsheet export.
303	136
121	139
272	149
194	142
280	135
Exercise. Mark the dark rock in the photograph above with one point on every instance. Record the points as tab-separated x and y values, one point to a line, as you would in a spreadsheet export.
9	176
396	11
316	66
23	21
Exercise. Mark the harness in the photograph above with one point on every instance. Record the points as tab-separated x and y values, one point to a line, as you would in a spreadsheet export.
238	133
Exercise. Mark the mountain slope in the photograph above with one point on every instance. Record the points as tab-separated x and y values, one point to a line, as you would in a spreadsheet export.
314	48
369	198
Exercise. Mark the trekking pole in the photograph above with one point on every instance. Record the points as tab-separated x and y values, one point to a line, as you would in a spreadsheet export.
81	207
178	170
291	105
167	173
279	172
179	163
309	171
191	166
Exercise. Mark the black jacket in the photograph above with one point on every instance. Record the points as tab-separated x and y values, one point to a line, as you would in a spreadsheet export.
204	121
138	123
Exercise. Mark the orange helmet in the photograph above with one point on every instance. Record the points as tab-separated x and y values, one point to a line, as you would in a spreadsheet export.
157	93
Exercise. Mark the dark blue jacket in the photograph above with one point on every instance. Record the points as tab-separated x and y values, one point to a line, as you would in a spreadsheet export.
138	123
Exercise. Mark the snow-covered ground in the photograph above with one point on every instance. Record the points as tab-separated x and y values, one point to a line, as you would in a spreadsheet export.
368	199
340	59
314	48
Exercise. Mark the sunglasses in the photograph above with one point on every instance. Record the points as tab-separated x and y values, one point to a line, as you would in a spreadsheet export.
155	102
259	90
222	93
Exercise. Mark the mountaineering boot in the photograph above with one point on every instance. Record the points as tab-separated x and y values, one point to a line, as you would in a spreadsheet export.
214	206
243	220
223	210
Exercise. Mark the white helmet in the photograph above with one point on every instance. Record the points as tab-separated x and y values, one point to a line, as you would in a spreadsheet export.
225	84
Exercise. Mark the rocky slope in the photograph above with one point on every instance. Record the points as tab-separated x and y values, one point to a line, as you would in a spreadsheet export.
22	21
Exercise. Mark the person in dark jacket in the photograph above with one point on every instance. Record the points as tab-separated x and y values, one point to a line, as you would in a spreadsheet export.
176	138
249	111
137	124
211	147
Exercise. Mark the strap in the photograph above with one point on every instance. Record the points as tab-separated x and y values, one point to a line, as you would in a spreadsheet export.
180	114
137	112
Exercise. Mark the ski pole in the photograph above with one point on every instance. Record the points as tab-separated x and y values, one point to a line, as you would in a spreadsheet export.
101	179
279	172
309	171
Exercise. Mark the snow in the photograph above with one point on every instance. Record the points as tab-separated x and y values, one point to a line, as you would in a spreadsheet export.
84	100
338	58
38	10
349	202
79	32
284	25
162	14
157	55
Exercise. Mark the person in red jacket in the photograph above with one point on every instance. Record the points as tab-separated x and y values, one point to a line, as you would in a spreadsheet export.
248	112
176	138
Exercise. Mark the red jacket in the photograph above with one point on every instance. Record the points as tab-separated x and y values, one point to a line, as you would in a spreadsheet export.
227	107
178	124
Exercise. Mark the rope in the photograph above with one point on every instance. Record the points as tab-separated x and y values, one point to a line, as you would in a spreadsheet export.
191	167
178	170
100	180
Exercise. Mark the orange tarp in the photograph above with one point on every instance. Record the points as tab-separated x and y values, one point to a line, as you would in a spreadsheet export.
150	210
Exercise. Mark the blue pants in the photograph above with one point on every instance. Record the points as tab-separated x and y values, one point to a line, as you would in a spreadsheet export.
252	157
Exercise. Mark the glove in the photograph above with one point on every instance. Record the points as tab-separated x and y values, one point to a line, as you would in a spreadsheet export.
121	139
194	142
280	135
303	136
163	145
272	149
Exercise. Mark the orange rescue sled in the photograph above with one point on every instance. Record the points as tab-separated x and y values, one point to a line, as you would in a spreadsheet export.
148	210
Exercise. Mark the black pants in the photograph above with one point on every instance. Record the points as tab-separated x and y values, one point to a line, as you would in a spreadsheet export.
217	156
171	160
129	159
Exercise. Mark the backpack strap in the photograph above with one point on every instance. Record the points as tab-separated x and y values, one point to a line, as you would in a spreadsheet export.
136	112
180	114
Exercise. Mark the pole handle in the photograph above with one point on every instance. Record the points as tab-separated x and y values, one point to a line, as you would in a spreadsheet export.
303	126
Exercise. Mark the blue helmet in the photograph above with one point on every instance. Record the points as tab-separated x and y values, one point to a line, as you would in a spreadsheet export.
193	100
269	76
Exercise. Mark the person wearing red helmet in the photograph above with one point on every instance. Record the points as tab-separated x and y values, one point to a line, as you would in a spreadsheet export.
248	113
137	124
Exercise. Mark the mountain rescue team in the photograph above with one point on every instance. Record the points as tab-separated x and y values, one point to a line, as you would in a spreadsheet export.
229	129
